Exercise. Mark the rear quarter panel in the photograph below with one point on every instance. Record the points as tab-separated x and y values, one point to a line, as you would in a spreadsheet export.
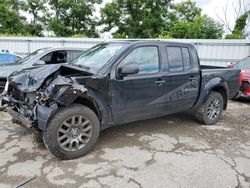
228	79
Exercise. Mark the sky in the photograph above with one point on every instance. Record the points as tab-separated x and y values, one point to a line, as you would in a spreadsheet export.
215	9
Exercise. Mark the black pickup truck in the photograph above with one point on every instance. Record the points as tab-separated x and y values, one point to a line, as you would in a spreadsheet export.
115	83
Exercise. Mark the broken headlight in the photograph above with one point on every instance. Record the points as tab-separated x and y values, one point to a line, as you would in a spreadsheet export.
54	89
51	92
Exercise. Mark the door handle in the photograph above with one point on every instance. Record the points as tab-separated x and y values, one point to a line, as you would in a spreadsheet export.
160	82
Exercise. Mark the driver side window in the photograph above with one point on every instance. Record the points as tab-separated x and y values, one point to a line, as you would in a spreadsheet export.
147	58
55	57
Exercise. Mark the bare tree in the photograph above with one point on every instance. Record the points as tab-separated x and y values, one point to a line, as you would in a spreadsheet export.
240	7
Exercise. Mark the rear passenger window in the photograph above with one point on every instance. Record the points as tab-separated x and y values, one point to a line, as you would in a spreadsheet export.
175	59
178	59
186	58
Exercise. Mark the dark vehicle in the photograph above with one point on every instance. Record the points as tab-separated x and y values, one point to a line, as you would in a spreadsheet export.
39	57
115	83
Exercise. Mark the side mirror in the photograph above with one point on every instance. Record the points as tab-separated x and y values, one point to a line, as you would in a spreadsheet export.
128	70
39	62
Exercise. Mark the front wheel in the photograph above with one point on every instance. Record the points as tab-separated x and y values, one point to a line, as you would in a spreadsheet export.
72	132
210	112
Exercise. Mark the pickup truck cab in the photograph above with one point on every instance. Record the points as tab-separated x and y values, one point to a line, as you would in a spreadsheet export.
115	83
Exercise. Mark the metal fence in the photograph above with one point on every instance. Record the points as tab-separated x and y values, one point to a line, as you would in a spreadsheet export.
211	52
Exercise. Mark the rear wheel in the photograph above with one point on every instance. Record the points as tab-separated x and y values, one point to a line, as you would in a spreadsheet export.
72	132
210	111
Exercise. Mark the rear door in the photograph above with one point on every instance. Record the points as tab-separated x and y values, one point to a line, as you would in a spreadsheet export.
184	77
139	96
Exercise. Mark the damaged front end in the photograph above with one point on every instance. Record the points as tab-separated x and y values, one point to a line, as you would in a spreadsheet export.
33	97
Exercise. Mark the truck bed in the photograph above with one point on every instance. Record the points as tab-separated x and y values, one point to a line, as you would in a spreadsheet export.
230	76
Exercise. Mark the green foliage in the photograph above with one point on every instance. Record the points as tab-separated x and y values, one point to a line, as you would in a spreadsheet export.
73	17
240	25
130	19
188	22
186	11
135	18
165	36
10	21
201	27
34	29
158	18
233	36
36	8
14	35
78	36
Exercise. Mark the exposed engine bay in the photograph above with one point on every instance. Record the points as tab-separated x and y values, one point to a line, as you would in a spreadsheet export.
34	96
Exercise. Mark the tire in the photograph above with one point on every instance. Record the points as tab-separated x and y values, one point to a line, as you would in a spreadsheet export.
72	132
211	110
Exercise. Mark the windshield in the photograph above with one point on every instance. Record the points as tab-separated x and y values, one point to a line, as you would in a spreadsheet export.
243	64
96	57
31	56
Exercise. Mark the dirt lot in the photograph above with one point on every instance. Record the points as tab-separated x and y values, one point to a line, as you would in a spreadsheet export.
172	151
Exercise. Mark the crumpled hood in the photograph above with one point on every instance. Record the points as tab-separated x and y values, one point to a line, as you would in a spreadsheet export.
7	70
31	79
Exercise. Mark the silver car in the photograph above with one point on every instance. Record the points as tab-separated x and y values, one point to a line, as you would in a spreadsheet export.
37	58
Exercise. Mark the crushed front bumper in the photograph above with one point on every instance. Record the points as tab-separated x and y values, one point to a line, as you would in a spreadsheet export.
41	116
19	118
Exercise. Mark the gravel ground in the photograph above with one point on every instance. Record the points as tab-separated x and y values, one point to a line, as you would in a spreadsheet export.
172	151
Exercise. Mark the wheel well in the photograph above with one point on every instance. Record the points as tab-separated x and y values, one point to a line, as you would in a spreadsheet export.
223	92
90	104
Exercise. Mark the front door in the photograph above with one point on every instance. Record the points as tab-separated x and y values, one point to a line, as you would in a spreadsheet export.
139	96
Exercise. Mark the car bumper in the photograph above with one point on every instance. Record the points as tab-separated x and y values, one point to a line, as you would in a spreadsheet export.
245	95
238	95
242	95
40	117
18	118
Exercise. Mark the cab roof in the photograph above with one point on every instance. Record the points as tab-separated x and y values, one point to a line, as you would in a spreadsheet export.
133	41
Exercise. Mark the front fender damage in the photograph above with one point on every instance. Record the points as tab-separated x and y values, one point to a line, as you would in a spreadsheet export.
61	92
36	94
